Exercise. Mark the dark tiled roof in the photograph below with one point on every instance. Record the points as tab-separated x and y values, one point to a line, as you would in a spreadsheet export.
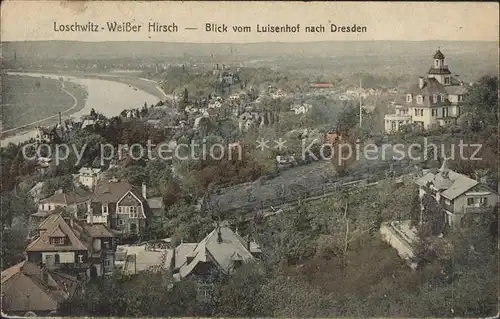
439	71
48	226
98	230
111	192
438	55
222	253
431	87
456	89
57	232
68	198
24	288
80	234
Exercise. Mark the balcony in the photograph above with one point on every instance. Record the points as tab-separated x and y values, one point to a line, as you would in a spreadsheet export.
475	209
93	219
397	117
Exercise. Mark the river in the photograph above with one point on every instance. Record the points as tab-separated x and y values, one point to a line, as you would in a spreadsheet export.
105	96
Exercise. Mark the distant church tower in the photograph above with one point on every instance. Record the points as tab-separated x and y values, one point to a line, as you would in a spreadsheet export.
439	70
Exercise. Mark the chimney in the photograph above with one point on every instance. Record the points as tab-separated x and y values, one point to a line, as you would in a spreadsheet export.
421	82
144	191
461	83
248	244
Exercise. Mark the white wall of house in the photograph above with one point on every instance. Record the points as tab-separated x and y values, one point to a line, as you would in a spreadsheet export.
88	180
462	201
64	257
47	207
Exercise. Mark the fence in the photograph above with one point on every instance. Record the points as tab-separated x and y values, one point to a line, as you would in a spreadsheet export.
295	195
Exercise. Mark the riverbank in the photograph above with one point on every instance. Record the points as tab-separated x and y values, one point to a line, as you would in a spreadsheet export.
40	105
106	95
147	85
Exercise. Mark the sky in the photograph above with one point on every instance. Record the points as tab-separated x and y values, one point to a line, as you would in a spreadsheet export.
408	21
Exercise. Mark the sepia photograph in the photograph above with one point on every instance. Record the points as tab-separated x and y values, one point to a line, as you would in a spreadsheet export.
249	159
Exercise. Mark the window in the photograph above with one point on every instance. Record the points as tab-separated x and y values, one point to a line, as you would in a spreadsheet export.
106	244
56	240
436	63
204	292
57	259
133	212
460	98
434	112
420	100
237	263
408	98
483	201
121	222
80	259
446	80
107	262
421	111
104	208
470	201
416	112
435	98
445	112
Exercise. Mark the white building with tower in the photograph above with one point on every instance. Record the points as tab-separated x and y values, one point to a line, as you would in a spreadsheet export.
433	101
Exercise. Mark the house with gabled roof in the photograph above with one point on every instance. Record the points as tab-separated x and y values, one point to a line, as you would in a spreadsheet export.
31	290
89	176
119	205
462	198
219	253
72	246
432	101
74	201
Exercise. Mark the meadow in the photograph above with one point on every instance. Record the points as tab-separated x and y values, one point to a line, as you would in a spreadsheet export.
29	99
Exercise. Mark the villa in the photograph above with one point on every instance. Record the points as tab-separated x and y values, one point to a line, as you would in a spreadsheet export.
433	101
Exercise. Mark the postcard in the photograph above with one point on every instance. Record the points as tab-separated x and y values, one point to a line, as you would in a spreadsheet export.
249	159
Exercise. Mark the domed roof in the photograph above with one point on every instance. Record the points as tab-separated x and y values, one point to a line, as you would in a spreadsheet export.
438	55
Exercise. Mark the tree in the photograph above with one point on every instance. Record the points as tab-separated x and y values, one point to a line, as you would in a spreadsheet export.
149	293
12	247
482	100
64	183
16	205
93	114
348	118
185	97
432	217
239	294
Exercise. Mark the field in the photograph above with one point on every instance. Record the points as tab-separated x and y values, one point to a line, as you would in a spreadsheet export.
27	99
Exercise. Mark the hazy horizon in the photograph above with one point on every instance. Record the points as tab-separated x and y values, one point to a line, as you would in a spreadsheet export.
243	43
407	21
